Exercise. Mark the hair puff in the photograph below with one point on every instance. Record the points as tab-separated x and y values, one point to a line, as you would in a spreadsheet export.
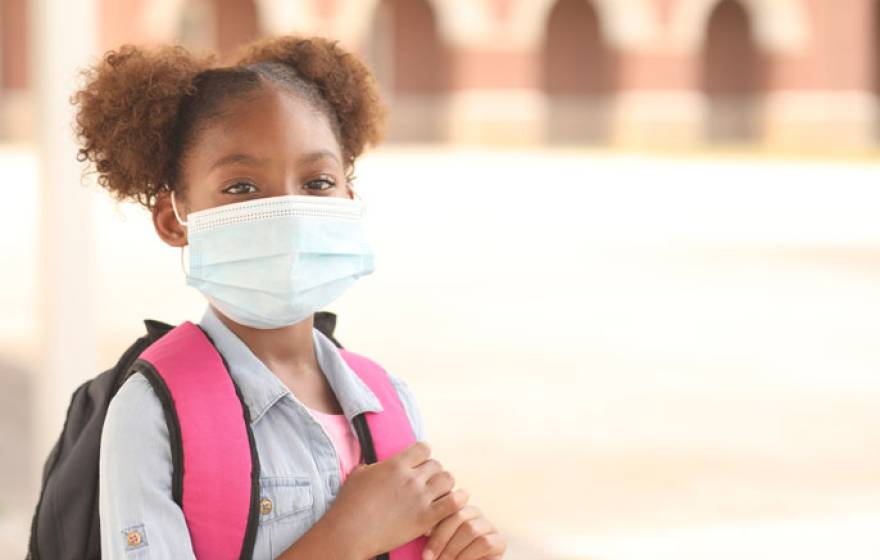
126	115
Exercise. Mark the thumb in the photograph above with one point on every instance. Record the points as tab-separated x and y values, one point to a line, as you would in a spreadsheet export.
358	468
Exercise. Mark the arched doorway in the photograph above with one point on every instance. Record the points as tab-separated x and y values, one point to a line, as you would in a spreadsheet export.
412	64
235	24
579	75
218	25
732	76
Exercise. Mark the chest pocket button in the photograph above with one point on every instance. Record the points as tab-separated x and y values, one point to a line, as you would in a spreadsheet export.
265	506
284	496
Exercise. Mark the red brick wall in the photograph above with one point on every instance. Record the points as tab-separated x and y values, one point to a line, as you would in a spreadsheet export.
121	21
841	53
13	42
494	69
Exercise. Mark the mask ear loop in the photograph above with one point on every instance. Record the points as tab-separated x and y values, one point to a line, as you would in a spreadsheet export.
360	200
182	267
183	223
176	215
350	185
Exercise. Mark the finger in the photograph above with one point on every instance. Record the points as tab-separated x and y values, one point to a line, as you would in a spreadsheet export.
428	469
472	510
441	483
446	505
443	531
488	544
465	534
414	455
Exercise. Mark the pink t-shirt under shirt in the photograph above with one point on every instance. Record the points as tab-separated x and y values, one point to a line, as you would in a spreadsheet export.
348	448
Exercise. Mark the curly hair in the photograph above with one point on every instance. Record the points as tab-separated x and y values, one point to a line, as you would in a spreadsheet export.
140	109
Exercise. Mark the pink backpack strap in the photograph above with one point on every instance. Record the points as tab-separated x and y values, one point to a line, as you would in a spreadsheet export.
216	467
390	430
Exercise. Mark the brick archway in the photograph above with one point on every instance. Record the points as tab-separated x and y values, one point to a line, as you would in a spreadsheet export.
732	74
779	26
231	22
630	24
356	20
579	74
412	63
236	22
218	25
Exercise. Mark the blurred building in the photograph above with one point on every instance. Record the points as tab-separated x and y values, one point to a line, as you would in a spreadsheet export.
798	74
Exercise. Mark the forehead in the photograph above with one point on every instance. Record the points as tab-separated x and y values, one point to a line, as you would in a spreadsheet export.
270	124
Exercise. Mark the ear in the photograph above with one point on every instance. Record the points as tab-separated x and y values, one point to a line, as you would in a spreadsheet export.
166	224
349	189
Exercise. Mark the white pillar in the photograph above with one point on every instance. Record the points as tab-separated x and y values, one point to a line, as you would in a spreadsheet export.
63	39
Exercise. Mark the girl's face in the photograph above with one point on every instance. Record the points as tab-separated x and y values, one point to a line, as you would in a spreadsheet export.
273	143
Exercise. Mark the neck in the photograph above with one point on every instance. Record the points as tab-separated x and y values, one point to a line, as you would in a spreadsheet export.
287	349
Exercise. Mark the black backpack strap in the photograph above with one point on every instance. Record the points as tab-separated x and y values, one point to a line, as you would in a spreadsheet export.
325	322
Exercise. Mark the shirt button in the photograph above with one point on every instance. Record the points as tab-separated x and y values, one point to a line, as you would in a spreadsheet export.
134	538
265	506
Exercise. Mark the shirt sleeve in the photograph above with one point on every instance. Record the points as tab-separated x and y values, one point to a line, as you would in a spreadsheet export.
410	405
139	518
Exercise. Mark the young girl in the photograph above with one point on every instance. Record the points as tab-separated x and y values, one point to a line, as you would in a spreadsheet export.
275	132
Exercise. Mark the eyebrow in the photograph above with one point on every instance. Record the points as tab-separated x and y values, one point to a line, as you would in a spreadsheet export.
248	159
315	156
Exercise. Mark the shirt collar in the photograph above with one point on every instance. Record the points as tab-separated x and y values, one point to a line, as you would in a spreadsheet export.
260	388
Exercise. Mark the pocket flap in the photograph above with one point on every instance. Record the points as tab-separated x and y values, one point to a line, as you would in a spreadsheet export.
281	496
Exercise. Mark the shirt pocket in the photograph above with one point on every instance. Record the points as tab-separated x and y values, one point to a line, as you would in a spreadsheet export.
285	498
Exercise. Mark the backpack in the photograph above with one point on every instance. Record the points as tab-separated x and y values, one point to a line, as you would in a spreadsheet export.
215	461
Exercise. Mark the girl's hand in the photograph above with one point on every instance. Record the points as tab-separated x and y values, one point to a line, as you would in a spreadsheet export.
465	535
386	504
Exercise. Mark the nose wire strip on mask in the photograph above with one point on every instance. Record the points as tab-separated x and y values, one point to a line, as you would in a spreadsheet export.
291	206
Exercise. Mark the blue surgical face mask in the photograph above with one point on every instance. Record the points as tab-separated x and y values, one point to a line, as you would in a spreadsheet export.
272	262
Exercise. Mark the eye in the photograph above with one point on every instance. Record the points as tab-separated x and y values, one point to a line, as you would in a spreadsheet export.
240	187
320	184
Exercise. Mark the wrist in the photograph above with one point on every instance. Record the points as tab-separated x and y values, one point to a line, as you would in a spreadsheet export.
332	536
343	536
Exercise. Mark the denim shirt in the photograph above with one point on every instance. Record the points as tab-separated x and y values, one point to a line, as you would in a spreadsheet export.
299	467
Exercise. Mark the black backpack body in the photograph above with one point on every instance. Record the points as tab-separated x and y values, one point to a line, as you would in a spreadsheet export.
66	522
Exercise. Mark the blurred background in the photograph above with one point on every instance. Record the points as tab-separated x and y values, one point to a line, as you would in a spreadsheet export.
627	255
